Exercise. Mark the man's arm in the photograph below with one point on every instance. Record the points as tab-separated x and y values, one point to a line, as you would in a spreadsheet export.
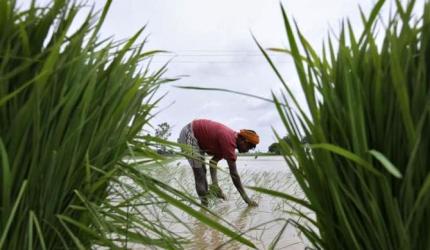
238	184
213	169
215	187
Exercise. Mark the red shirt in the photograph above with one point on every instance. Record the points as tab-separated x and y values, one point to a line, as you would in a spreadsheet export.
215	139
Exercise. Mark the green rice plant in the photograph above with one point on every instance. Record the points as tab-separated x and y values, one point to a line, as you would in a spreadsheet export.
69	104
71	108
365	175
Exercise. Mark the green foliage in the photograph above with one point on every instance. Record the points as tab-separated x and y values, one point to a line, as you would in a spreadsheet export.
71	108
366	174
163	131
276	148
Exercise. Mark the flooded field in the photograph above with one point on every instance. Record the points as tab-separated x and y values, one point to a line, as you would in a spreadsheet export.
265	225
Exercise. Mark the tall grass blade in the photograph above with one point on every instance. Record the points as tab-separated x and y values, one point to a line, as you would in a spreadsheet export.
386	163
368	103
5	229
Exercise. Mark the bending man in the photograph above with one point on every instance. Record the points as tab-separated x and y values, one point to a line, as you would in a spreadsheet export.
219	141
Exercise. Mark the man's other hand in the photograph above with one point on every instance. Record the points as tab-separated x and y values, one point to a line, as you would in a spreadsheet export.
217	192
252	203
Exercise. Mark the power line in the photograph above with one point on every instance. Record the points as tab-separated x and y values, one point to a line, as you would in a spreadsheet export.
220	62
213	55
219	50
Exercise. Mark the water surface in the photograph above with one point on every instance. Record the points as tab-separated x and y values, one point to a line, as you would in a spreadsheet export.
262	224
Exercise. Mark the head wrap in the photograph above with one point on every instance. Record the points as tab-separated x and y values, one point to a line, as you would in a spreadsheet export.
250	136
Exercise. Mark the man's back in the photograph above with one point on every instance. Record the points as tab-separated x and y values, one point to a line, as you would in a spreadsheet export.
215	138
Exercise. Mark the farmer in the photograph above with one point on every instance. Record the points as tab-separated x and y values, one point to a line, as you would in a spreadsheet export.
219	141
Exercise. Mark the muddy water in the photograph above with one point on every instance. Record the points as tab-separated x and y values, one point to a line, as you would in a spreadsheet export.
262	225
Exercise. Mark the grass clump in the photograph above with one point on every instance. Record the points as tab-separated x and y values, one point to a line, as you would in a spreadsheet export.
70	108
366	175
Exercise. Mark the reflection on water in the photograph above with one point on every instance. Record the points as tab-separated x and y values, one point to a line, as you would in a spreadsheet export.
261	224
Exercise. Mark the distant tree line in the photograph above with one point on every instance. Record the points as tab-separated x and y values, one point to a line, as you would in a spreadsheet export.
163	131
275	148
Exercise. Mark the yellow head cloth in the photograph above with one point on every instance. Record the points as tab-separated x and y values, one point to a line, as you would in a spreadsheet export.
250	136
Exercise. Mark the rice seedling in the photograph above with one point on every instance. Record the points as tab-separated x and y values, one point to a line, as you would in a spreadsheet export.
71	108
263	225
366	174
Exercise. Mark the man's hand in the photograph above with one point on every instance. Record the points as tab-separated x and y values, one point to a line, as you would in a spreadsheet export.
221	195
216	191
252	203
238	184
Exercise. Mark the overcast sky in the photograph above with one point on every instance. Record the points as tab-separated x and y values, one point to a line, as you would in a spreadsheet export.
211	46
